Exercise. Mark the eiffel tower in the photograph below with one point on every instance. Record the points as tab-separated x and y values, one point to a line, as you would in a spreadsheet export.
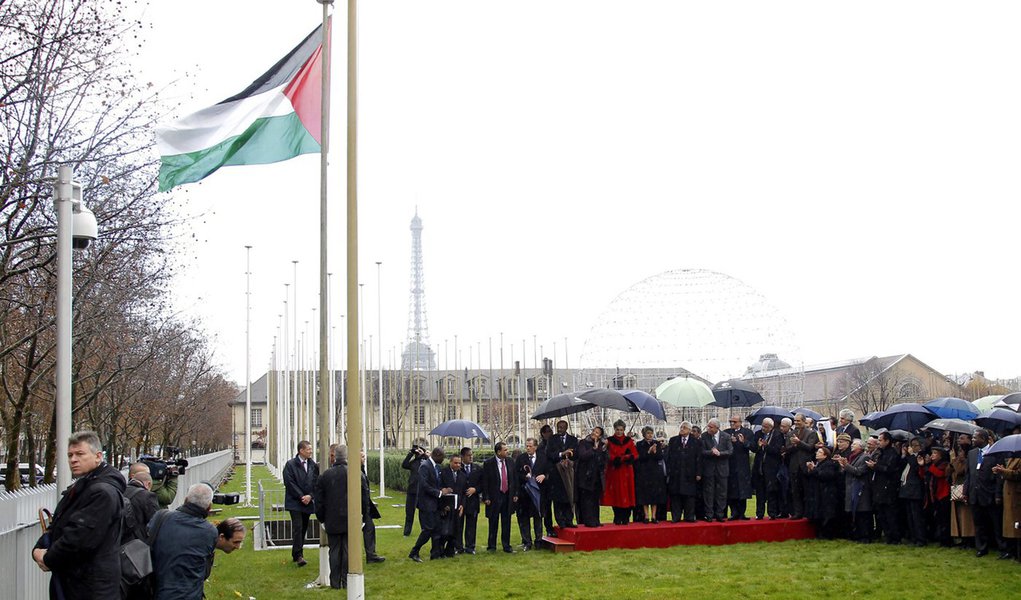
418	355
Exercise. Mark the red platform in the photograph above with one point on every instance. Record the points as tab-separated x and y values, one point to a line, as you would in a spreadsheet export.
665	535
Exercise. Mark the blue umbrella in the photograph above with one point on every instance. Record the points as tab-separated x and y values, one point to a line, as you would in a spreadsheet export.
1000	420
811	414
907	416
773	412
462	428
645	401
1009	446
867	419
953	408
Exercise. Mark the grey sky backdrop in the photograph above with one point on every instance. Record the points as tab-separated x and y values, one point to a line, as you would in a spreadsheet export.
856	163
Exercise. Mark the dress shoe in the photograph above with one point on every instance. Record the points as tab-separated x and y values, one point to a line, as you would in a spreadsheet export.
301	561
375	558
509	550
981	553
490	549
415	558
720	520
1004	556
526	547
472	552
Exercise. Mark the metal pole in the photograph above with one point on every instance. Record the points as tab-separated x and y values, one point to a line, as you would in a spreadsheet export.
379	342
362	364
355	576
248	377
62	197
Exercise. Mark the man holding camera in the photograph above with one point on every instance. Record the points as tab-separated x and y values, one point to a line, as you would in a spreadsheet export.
300	476
412	462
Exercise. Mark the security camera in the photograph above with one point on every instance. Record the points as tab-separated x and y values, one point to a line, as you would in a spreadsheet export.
84	228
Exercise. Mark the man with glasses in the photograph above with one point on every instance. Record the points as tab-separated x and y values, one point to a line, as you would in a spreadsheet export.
739	481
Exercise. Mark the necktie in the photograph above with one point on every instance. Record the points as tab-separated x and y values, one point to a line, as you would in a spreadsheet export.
768	437
437	472
503	477
684	441
304	464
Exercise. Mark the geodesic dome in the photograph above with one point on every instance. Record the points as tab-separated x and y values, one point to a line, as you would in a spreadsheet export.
705	322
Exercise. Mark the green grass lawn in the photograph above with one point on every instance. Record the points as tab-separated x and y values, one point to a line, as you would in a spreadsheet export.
803	569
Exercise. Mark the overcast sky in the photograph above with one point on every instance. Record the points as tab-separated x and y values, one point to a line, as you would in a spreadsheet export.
855	163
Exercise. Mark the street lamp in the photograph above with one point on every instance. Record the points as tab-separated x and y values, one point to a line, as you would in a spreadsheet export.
76	228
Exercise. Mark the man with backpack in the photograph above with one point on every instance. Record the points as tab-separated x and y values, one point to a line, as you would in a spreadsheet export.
140	506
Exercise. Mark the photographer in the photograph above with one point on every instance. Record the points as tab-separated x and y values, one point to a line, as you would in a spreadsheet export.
164	474
412	462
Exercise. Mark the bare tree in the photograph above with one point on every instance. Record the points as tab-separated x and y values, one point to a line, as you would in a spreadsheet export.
871	386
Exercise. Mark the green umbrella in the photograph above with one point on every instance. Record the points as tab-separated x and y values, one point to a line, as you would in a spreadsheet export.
985	403
684	392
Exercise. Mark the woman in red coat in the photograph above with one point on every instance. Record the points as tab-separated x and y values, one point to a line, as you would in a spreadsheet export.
620	475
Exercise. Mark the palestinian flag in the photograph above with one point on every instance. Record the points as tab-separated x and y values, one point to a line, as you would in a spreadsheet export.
275	118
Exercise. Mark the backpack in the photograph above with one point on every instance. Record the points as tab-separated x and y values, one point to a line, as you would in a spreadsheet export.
136	558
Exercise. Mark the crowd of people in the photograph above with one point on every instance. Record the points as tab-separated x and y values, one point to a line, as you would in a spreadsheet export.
101	512
931	488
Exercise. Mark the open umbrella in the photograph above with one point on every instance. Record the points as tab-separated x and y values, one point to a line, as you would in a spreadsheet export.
906	415
808	412
867	419
1000	420
952	425
773	412
735	393
1011	401
1009	446
953	408
607	399
462	428
646	402
561	405
897	434
685	392
987	402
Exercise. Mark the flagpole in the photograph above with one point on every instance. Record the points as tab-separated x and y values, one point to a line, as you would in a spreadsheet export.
355	574
323	419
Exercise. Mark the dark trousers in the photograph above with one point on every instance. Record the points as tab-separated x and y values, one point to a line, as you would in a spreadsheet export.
714	495
470	523
886	515
409	513
737	507
562	511
299	527
338	559
797	495
546	508
621	516
528	514
499	513
941	521
682	505
862	531
429	521
588	507
915	519
369	537
767	500
988	527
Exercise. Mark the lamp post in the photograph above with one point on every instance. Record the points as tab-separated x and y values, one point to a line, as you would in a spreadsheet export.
76	227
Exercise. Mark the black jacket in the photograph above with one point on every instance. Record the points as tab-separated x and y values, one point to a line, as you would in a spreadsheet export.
428	486
554	447
298	483
491	481
144	505
84	538
331	499
590	473
886	476
650	476
739	485
412	462
473	479
768	458
182	552
683	465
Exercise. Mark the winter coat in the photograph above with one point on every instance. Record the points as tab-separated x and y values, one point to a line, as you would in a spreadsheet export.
1012	498
650	478
182	552
824	481
591	467
684	464
620	472
886	477
739	482
912	478
298	482
331	499
858	485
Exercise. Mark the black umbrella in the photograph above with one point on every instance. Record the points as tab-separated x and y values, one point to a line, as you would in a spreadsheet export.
561	405
897	434
953	426
773	412
1010	401
1000	420
907	415
1009	446
462	428
607	399
867	419
645	401
735	393
808	412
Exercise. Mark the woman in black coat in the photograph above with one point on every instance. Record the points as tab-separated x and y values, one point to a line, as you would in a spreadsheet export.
825	506
650	478
590	476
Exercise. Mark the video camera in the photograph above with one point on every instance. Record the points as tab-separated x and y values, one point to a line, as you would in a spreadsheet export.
160	469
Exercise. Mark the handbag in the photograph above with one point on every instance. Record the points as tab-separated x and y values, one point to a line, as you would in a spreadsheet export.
136	555
957	492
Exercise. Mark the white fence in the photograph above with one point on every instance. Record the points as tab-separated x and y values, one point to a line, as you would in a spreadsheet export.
19	525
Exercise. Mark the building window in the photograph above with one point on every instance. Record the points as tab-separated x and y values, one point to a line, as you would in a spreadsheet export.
630	382
257	417
451	412
910	391
512	387
419	415
541	386
449	387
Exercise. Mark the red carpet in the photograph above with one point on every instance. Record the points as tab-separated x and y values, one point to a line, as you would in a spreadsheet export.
665	535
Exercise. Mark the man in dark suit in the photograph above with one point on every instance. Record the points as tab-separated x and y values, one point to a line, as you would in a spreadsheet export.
472	495
529	466
331	503
768	446
684	470
716	451
561	447
370	512
981	489
499	493
800	451
739	480
452	507
545	501
300	475
429	493
846	424
886	472
412	462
